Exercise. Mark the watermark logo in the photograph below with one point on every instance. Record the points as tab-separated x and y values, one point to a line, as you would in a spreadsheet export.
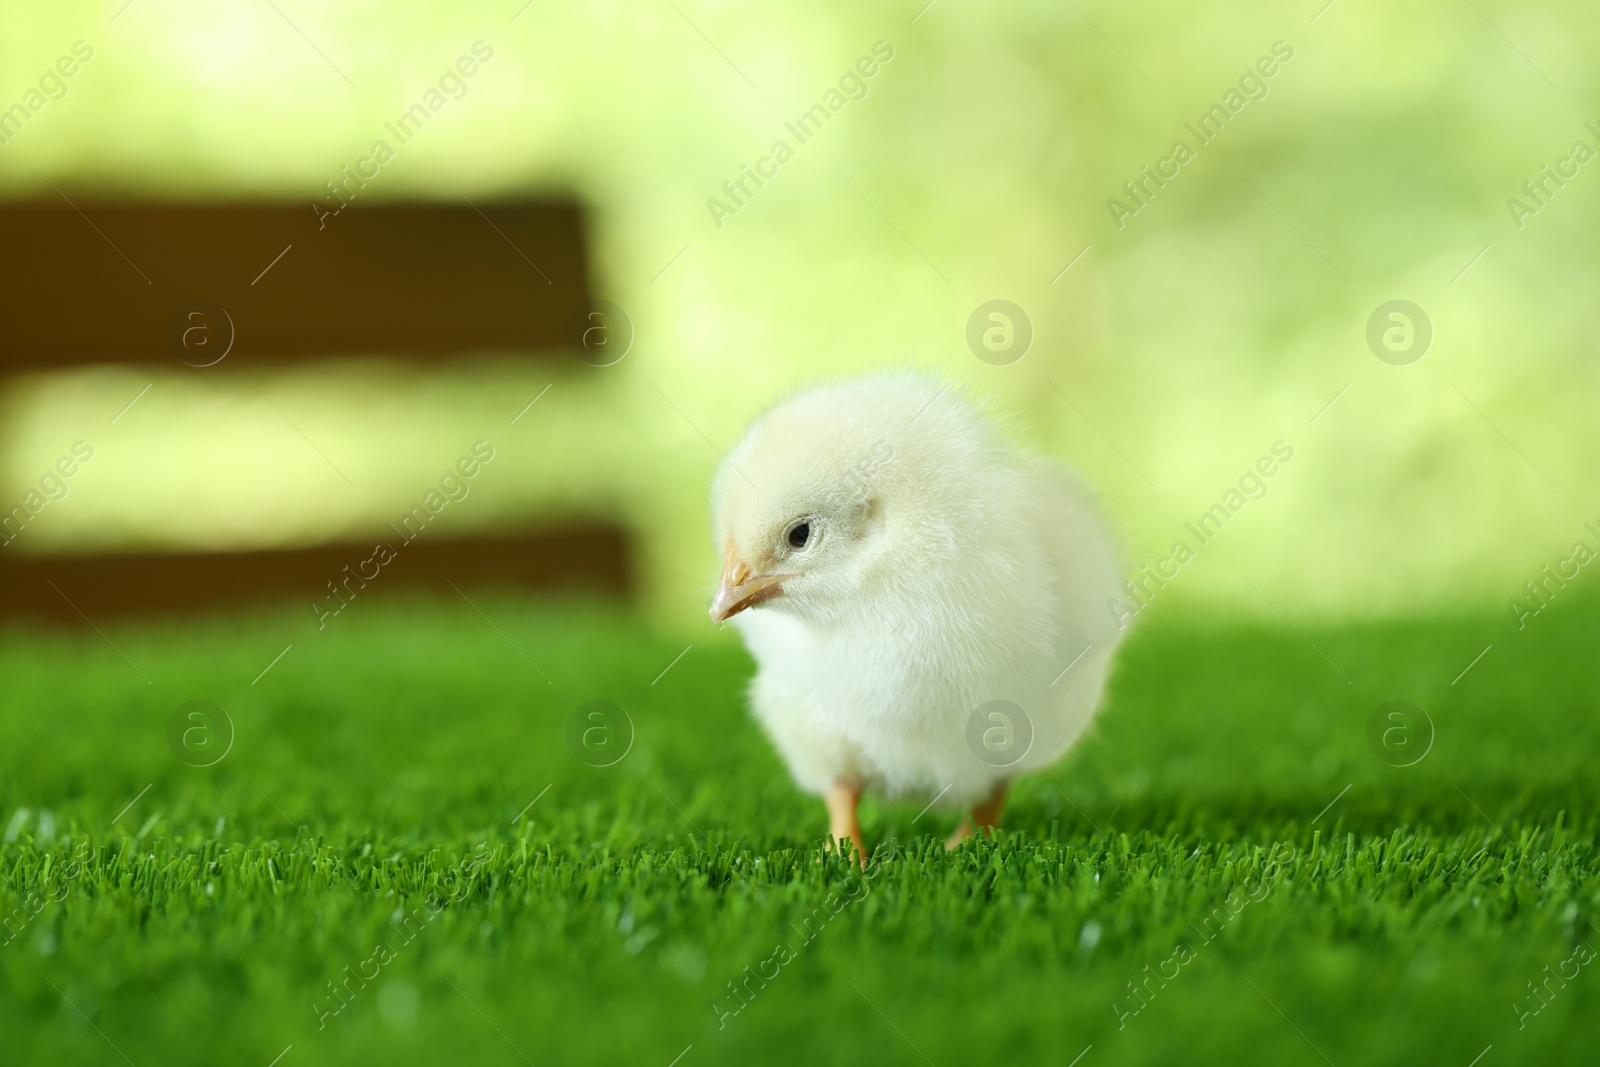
351	182
1550	984
1541	589
453	486
1399	332
1252	85
602	333
999	733
344	988
1399	733
55	886
599	733
199	733
52	488
740	190
1147	985
1539	190
1151	578
201	333
999	332
51	86
744	987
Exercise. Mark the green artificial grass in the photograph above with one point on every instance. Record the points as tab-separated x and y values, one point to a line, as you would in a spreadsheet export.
1227	843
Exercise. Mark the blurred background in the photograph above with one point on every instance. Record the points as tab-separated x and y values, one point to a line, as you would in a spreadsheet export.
286	271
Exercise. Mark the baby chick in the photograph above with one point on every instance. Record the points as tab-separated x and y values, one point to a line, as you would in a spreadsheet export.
927	607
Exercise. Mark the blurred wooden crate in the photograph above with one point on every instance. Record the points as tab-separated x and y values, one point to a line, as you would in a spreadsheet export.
226	288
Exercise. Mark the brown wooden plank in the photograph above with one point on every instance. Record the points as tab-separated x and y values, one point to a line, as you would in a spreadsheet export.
589	559
96	281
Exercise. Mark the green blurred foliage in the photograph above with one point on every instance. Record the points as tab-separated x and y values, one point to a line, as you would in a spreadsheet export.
1221	318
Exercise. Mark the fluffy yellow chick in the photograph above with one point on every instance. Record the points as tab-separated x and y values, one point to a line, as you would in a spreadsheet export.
927	607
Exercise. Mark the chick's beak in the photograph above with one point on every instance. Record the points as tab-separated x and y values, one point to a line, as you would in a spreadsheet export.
741	588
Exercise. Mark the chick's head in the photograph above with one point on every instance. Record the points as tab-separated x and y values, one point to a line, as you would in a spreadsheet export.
801	506
797	521
825	490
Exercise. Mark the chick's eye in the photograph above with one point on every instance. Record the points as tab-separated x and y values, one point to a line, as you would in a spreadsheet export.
800	534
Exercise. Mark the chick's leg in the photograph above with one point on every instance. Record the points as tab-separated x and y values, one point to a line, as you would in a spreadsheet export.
985	815
842	798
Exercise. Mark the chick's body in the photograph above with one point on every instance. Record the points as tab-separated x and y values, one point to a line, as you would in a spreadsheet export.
943	570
